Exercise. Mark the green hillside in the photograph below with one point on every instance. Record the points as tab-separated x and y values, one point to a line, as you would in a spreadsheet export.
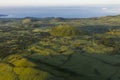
60	48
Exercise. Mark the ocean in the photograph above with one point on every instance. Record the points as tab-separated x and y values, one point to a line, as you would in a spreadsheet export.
62	11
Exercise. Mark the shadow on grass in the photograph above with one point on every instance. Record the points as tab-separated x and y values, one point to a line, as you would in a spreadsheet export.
79	66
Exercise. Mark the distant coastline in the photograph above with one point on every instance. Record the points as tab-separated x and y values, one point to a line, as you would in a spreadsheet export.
64	12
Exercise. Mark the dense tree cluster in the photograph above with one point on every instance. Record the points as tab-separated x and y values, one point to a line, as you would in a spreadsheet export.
66	30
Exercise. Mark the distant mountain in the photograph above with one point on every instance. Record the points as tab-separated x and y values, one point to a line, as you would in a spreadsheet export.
3	15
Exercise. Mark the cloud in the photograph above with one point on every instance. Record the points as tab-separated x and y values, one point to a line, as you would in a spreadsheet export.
104	8
111	10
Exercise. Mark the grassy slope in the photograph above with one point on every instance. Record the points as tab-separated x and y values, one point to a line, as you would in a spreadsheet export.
77	66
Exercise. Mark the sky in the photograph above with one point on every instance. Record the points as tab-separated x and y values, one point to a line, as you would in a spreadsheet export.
68	7
6	3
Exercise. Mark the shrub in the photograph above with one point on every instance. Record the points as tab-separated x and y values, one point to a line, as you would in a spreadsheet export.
65	30
26	21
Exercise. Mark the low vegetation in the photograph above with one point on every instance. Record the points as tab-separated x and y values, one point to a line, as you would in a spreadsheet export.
60	48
